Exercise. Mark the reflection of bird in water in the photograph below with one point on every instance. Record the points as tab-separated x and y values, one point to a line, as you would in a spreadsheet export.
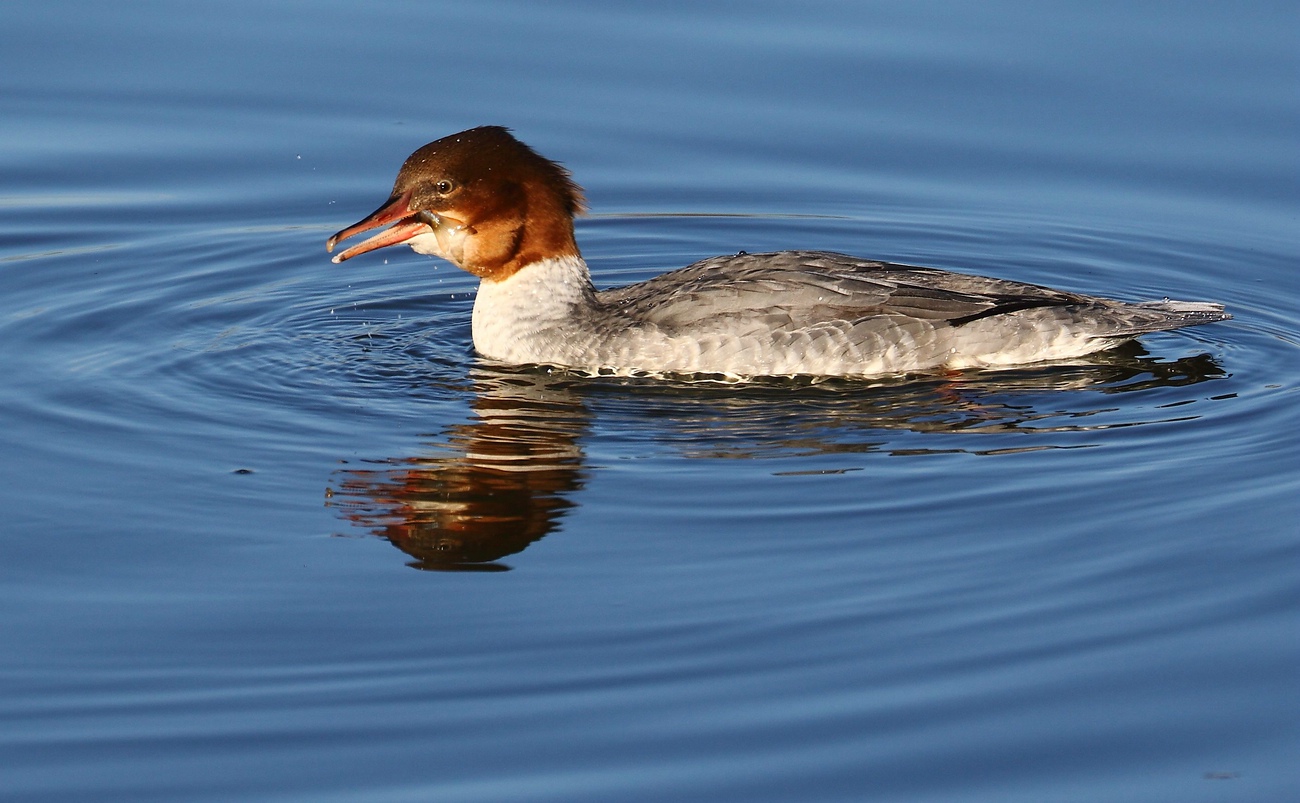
499	490
508	476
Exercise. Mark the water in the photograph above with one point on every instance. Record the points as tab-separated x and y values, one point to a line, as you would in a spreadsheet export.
225	458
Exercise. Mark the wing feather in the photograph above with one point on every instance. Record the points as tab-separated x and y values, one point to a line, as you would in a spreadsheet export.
804	288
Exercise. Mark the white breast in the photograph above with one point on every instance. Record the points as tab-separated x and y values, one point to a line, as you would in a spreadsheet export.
528	317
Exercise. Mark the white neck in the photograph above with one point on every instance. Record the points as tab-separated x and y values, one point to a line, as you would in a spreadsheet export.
521	319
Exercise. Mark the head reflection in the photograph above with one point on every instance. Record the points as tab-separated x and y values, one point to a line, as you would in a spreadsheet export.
506	477
500	485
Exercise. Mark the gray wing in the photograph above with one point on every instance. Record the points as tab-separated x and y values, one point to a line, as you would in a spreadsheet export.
796	289
811	286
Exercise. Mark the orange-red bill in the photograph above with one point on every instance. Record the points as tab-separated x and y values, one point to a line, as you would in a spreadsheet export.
397	233
395	210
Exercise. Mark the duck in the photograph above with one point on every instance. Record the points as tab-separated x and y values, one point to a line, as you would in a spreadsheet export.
489	204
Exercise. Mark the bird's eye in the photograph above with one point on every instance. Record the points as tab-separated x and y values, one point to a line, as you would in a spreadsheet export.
443	187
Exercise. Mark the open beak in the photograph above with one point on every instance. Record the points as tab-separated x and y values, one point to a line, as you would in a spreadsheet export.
407	223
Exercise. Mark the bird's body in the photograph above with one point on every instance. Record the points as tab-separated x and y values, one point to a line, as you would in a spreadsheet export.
489	204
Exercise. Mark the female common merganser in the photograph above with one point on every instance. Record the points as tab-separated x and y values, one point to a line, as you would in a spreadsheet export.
491	205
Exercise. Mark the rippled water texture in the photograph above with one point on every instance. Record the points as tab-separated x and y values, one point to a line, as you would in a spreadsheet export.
225	458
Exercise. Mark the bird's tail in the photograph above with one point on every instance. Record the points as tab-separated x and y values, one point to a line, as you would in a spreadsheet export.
1157	316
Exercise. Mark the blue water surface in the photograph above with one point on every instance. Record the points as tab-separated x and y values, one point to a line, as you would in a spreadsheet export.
274	533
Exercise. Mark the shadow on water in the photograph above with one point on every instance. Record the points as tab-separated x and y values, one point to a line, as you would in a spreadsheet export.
506	477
